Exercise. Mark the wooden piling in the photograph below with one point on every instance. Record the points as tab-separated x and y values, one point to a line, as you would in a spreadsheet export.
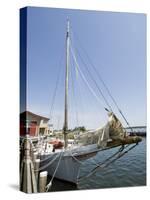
28	182
36	168
35	155
43	181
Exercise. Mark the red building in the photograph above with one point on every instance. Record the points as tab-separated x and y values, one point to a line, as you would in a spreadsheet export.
32	124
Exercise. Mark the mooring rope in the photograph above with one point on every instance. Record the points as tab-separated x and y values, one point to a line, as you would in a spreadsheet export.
51	181
47	158
49	163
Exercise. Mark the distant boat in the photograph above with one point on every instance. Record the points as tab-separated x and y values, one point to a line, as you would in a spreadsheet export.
64	163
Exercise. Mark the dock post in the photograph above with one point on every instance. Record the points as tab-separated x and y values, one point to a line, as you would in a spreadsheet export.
35	155
36	168
43	181
28	182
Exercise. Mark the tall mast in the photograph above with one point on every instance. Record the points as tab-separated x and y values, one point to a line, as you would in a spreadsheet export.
65	128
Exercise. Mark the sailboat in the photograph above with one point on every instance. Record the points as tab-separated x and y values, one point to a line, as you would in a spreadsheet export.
66	162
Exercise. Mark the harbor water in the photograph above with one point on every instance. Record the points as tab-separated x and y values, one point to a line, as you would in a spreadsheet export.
129	170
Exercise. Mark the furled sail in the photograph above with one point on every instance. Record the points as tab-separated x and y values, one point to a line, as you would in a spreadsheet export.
112	131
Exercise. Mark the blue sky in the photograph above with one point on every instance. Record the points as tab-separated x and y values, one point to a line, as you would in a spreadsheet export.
116	44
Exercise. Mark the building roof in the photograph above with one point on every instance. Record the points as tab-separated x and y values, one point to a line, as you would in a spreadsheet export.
25	113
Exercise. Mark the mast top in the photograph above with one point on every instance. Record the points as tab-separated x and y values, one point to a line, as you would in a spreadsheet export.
68	26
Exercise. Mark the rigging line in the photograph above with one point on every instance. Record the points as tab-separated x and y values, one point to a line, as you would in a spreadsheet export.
113	155
73	90
80	94
105	86
85	80
58	121
100	91
81	102
102	165
56	87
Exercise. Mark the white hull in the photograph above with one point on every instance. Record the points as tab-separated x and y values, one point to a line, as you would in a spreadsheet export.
71	161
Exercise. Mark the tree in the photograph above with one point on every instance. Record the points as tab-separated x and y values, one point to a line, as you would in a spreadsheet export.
80	128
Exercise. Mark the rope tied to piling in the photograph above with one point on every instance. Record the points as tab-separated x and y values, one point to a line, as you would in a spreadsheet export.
51	181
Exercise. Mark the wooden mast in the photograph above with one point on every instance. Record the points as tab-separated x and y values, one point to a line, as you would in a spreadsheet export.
65	128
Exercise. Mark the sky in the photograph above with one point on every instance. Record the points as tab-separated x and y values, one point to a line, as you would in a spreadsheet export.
116	46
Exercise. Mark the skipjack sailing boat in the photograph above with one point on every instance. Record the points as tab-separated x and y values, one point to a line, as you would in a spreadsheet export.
65	163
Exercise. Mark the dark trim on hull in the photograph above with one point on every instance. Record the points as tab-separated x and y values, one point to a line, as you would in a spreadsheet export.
86	156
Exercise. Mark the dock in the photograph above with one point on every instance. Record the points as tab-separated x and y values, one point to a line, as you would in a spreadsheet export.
137	130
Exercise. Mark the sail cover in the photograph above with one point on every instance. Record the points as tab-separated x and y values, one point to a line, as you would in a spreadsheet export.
113	130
